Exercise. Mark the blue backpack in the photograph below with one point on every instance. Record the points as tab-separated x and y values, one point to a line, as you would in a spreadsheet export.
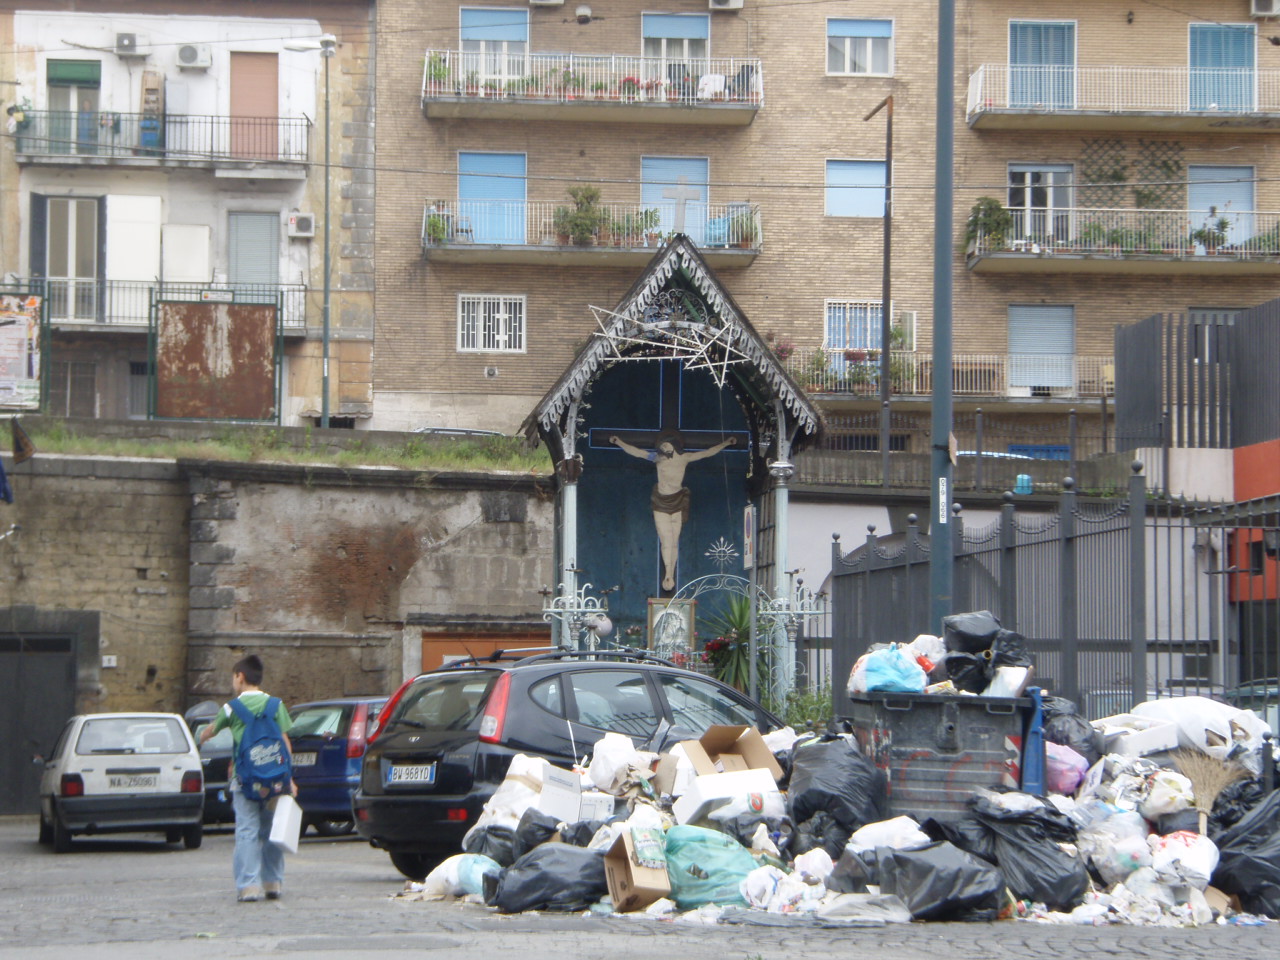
263	763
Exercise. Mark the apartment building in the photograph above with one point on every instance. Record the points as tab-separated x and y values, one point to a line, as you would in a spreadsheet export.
165	152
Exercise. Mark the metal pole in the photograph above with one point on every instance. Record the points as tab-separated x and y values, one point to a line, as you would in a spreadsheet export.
327	44
784	659
1138	582
941	560
886	312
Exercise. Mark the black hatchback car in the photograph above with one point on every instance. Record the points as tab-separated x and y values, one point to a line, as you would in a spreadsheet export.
446	738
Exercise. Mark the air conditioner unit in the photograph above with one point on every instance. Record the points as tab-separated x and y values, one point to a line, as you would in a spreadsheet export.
302	225
1264	8
195	56
131	45
725	4
546	3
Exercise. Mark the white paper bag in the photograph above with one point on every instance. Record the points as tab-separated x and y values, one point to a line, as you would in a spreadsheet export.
286	823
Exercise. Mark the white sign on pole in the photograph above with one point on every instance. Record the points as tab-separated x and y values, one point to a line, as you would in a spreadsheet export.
749	536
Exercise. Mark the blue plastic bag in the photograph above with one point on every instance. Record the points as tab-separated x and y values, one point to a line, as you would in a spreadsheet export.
893	670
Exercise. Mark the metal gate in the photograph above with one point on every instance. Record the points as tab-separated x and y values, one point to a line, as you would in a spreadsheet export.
37	695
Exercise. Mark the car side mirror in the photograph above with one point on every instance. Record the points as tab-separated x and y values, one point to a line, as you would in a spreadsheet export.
37	760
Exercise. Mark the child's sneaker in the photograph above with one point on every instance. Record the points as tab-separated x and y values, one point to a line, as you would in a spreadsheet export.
250	895
273	890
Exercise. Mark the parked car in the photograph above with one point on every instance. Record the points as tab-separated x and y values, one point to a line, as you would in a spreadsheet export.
122	773
215	757
446	737
329	738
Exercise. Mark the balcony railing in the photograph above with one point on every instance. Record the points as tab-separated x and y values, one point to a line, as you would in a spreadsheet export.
195	139
570	77
539	223
821	370
128	303
1181	234
1123	89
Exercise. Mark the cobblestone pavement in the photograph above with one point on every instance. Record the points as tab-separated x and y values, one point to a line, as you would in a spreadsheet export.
116	899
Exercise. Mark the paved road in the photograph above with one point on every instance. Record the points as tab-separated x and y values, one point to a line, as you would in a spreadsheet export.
141	900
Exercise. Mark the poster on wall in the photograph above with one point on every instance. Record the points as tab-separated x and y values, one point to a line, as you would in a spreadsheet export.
19	352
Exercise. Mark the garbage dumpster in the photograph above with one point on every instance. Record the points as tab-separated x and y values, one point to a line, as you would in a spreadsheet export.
936	750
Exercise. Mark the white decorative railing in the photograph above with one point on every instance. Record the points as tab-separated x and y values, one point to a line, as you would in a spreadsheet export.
542	222
1123	89
569	76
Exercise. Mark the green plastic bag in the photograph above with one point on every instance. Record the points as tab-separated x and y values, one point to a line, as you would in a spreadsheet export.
706	867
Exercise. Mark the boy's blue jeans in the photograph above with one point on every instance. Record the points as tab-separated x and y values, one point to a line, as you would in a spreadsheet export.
256	860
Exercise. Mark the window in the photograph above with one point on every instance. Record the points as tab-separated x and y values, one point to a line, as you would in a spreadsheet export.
491	197
1221	59
675	36
327	721
495	41
490	323
73	105
253	251
852	325
864	442
546	694
1040	200
139	384
664	180
1042	348
72	258
1216	194
73	388
855	188
697	704
1042	64
616	700
860	46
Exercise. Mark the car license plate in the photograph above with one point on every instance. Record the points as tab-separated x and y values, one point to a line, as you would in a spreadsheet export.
304	759
135	782
412	773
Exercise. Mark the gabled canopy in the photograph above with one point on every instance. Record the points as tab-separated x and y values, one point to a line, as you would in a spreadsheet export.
677	309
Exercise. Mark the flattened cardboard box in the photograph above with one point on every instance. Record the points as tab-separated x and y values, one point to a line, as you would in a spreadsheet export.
632	886
728	749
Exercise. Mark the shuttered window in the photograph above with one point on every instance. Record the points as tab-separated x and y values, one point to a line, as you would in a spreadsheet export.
1042	345
1218	193
661	176
1222	59
488	323
254	248
1042	64
855	188
73	73
495	42
491	196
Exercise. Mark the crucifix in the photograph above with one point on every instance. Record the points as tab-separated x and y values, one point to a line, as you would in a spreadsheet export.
681	194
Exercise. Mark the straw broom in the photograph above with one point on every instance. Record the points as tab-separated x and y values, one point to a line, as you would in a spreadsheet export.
1209	777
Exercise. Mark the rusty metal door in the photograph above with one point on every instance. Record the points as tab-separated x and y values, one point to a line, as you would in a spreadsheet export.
216	361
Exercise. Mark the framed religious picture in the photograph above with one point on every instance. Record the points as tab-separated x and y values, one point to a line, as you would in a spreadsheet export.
671	625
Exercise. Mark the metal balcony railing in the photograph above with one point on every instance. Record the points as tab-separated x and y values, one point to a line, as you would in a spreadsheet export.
820	370
1123	89
128	302
110	135
628	225
1233	234
567	77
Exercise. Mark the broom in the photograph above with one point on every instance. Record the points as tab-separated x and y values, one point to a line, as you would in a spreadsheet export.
1209	777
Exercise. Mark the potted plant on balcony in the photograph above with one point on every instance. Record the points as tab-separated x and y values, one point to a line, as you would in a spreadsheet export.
1212	235
816	371
581	222
471	84
600	90
629	88
742	228
437	69
437	229
647	221
990	223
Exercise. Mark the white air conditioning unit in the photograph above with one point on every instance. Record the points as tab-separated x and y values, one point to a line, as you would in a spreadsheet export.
1264	8
546	3
131	45
725	4
302	225
195	56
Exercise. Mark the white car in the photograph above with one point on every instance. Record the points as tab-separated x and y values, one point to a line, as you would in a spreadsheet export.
123	773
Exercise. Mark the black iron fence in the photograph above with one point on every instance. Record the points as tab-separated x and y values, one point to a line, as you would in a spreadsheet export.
128	302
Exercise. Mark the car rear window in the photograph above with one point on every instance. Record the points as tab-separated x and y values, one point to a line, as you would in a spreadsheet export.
131	735
319	721
222	740
445	701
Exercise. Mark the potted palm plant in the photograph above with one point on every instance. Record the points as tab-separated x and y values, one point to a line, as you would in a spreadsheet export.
742	228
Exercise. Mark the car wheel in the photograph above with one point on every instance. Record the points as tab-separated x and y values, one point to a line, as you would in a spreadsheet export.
415	866
333	828
193	836
61	837
46	831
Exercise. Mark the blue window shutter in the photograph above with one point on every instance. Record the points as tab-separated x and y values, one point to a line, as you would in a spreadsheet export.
659	174
1222	59
859	28
855	188
495	24
1226	190
1042	345
491	192
676	27
1042	59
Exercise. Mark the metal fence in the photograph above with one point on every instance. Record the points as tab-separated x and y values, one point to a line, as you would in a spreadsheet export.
128	302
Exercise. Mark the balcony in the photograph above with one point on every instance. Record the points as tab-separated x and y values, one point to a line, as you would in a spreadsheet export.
1127	241
495	231
125	305
229	145
713	91
1166	99
993	376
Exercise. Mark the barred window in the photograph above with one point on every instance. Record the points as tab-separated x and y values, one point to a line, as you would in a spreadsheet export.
852	324
488	323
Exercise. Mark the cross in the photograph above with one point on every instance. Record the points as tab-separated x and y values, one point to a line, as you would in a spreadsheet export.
680	194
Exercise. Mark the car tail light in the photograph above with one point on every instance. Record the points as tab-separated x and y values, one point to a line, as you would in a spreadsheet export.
362	815
72	785
458	814
389	709
495	711
356	735
192	782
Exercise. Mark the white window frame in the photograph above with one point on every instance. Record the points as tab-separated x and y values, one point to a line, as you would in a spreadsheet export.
496	60
1056	217
472	337
866	42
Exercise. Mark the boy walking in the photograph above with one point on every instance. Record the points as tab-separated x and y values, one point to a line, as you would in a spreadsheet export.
258	864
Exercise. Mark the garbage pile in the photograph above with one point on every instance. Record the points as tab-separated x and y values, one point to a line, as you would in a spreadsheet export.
1165	816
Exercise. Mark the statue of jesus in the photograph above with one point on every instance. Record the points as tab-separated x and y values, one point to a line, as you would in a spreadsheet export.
670	498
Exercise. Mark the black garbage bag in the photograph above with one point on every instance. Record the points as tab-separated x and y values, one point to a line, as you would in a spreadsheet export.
1008	649
966	832
968	671
821	831
579	834
1234	802
743	829
853	872
496	843
1249	858
1064	726
941	882
1027	853
534	829
970	632
831	776
554	876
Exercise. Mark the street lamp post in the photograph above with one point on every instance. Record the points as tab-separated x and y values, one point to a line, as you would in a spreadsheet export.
328	44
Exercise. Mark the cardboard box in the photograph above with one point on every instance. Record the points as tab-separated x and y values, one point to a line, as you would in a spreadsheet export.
727	749
632	886
561	795
1133	736
714	790
674	773
596	805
